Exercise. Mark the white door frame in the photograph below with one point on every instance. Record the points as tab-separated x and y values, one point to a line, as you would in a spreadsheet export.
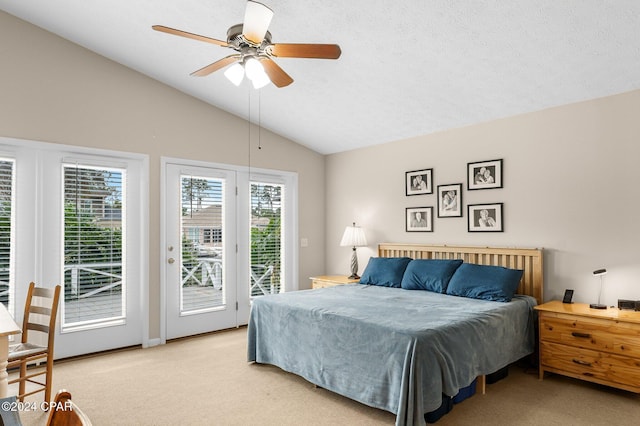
242	179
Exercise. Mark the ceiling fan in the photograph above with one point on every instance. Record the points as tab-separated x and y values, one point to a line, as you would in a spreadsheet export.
252	42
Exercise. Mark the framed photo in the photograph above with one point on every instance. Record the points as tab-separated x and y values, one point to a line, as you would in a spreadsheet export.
484	175
450	200
419	219
485	217
419	182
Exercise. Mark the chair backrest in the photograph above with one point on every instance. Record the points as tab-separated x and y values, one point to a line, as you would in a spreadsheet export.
40	312
65	412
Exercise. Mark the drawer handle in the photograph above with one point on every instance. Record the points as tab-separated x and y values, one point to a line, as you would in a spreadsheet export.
583	335
580	362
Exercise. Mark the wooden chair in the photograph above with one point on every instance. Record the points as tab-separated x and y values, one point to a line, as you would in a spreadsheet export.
65	412
40	312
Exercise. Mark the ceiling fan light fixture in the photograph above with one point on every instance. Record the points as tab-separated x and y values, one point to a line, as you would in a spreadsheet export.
255	72
235	74
253	68
260	80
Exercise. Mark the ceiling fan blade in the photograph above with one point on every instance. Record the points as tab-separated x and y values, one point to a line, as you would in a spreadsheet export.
318	51
276	74
204	71
257	18
181	33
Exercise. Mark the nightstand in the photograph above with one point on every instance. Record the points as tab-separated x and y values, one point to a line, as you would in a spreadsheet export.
331	280
601	346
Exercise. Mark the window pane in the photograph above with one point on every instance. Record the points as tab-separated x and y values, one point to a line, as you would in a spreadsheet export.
93	245
267	207
6	207
202	286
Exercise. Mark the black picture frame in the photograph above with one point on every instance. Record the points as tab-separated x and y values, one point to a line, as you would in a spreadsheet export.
484	175
568	295
450	200
421	223
419	182
491	221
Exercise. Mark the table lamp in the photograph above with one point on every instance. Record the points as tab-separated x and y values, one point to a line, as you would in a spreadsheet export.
353	237
599	273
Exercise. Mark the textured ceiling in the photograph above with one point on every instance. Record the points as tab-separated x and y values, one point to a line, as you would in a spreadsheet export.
407	68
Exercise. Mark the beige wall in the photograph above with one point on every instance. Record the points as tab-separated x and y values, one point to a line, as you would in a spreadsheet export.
571	186
55	91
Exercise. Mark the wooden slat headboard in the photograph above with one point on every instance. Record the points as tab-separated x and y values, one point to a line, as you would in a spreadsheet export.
529	260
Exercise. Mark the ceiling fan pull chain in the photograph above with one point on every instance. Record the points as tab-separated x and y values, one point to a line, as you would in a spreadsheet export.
259	120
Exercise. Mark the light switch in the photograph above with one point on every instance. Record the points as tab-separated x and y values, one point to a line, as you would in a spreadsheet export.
304	242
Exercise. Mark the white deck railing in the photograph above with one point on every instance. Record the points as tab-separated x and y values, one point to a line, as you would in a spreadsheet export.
94	268
210	271
207	271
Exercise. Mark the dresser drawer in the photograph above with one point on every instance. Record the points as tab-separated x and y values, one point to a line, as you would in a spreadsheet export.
590	333
589	364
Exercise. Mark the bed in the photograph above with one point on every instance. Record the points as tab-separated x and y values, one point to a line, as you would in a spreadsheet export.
401	349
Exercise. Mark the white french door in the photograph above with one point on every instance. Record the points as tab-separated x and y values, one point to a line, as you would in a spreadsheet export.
229	236
200	252
91	244
79	223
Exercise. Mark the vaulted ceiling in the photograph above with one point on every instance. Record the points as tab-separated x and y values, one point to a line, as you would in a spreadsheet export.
407	68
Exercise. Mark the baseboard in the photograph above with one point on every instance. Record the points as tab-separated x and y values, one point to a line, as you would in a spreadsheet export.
151	343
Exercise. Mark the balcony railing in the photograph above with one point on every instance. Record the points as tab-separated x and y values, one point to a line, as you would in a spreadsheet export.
92	292
106	280
204	271
99	272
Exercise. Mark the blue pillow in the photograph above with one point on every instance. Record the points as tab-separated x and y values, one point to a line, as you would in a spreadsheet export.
385	271
429	274
484	282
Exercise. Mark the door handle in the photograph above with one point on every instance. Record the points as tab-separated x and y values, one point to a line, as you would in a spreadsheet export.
171	260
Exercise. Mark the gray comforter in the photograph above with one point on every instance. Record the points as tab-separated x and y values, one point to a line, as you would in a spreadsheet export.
390	348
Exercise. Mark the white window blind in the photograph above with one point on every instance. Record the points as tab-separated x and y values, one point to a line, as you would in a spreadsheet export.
94	238
267	222
6	225
203	286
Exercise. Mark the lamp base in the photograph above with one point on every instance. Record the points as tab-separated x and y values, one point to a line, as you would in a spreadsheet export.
354	277
597	306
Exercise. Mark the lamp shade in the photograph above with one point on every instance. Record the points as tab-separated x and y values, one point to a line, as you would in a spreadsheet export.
353	237
260	80
235	74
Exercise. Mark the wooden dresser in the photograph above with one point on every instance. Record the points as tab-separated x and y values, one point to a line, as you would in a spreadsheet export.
601	346
331	280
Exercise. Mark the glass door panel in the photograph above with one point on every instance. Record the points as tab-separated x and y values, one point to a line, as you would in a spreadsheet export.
202	285
267	213
94	223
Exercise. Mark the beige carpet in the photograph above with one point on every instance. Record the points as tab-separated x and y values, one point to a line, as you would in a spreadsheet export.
206	380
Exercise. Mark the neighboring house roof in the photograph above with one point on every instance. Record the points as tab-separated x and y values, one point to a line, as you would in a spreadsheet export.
206	217
211	217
